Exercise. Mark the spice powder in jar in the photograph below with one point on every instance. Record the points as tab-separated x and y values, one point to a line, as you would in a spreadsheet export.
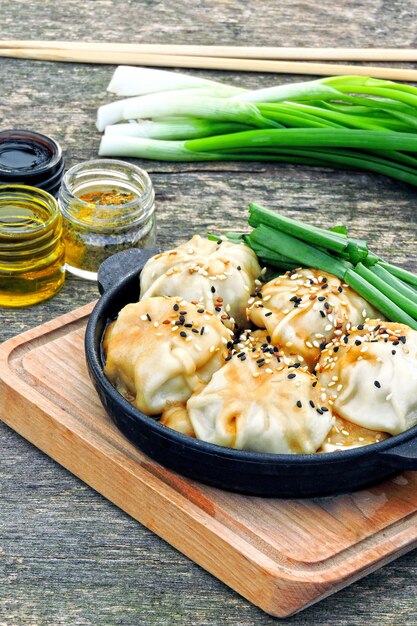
107	206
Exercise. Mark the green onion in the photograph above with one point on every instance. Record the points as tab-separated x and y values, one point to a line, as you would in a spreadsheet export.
285	243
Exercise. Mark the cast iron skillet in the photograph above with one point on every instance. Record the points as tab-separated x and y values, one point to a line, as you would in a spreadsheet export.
251	473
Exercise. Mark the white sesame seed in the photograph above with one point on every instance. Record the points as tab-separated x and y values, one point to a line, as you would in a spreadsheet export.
156	324
143	317
328	327
388	398
212	348
361	439
339	388
197	347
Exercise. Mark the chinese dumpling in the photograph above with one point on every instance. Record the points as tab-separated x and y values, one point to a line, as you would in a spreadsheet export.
256	402
219	274
160	350
175	416
303	309
346	435
370	376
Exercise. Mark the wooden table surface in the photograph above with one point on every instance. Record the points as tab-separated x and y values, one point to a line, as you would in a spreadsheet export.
67	556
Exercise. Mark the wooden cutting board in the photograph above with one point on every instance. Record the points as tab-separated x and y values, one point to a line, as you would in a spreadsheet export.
282	555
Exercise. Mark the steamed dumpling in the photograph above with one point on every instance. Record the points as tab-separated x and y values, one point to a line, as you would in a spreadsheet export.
346	435
370	375
219	274
160	350
175	416
303	309
256	402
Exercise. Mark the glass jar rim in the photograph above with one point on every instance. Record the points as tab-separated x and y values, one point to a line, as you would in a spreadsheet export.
105	164
35	195
40	138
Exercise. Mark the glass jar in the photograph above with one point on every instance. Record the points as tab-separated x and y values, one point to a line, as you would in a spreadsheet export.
30	158
108	206
32	255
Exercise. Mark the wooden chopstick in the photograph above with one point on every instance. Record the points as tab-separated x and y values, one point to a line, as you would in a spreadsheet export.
212	63
238	52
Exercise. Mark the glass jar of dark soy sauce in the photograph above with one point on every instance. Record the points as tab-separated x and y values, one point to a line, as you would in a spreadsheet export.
30	158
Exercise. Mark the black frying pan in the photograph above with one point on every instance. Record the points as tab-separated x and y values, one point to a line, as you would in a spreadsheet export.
283	475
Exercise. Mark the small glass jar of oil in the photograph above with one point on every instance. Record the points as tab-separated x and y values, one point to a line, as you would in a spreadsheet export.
32	254
108	206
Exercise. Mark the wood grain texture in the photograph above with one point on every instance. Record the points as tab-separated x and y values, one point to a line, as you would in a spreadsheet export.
67	556
282	555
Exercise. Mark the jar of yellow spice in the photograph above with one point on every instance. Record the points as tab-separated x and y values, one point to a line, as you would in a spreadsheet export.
107	206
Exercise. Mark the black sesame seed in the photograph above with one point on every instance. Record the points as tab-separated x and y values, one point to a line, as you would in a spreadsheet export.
403	339
339	289
322	345
360	327
200	310
324	286
217	308
188	325
261	364
319	411
346	338
260	360
229	344
326	306
324	409
321	298
268	314
243	358
149	317
312	404
202	330
299	404
324	279
252	295
377	327
238	268
275	349
358	343
183	312
182	319
293	299
176	307
377	384
195	330
314	383
213	289
291	376
394	352
183	333
228	357
219	241
322	313
268	338
336	349
395	343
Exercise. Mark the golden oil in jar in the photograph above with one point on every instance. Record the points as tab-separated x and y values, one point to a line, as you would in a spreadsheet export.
32	254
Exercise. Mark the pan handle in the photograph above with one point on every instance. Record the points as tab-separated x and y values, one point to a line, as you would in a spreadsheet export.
403	456
121	265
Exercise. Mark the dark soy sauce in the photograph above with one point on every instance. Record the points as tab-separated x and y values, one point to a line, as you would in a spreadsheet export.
22	155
